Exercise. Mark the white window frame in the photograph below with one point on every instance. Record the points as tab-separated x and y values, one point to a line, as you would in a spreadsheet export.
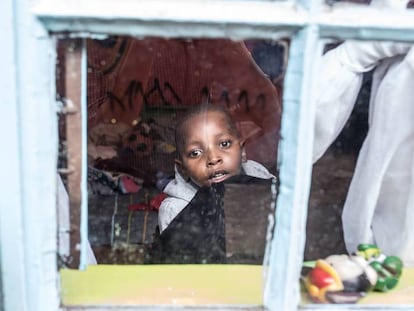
29	128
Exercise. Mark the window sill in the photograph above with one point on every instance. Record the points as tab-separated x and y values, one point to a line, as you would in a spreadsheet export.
163	285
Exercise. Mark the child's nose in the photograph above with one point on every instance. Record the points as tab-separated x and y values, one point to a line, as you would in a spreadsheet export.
214	158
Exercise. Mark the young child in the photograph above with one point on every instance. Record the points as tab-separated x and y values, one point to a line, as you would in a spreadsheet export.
210	151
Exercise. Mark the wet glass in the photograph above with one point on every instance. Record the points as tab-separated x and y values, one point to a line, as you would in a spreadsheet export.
137	91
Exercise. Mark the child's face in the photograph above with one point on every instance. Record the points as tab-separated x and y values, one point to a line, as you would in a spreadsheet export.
211	153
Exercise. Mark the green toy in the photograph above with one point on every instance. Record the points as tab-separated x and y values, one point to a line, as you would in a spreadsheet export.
388	268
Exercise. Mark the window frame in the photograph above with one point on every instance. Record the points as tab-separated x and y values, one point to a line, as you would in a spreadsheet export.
29	270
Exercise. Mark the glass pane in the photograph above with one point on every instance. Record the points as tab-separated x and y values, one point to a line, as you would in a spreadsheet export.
360	196
138	90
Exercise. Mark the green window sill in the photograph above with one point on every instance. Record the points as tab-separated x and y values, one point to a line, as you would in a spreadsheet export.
181	285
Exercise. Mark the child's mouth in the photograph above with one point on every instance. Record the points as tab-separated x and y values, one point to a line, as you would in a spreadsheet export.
219	176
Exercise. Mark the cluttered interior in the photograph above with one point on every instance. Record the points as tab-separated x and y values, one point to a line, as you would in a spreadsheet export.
136	91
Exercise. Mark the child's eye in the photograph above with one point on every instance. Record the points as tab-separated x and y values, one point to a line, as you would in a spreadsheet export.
225	144
194	153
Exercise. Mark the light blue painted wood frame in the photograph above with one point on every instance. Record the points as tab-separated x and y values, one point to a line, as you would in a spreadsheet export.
286	250
28	130
29	148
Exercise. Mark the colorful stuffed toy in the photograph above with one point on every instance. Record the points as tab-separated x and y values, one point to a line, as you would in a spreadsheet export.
347	278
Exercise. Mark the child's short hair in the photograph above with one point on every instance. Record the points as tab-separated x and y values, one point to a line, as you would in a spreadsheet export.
180	136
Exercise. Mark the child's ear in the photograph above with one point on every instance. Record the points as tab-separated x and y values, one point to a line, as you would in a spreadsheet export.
243	150
181	168
179	164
